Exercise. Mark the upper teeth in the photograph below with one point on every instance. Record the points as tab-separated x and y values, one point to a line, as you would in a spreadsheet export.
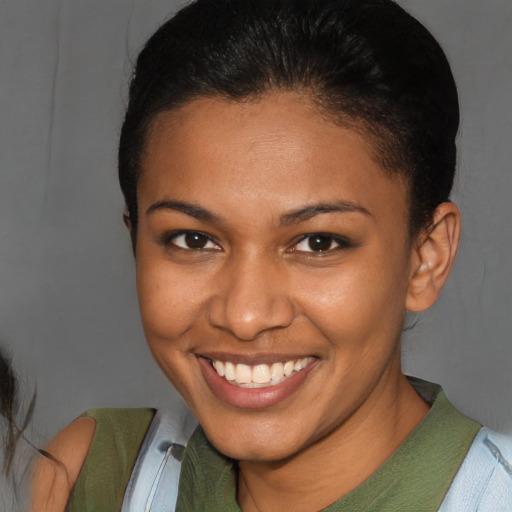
259	375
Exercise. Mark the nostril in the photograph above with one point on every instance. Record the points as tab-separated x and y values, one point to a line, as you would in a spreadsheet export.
247	318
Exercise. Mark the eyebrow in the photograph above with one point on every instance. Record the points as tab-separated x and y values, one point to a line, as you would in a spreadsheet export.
197	212
308	212
293	217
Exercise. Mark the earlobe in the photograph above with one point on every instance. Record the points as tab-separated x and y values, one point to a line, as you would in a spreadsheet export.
433	257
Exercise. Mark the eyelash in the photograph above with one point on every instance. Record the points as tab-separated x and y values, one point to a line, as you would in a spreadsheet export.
169	240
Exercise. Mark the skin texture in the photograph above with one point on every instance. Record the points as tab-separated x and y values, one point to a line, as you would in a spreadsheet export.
253	290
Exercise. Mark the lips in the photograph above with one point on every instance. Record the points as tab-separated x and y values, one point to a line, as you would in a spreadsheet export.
258	385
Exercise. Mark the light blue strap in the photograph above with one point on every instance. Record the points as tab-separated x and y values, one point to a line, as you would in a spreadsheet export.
153	486
484	481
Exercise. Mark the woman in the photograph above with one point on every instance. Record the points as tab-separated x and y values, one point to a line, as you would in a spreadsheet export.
287	168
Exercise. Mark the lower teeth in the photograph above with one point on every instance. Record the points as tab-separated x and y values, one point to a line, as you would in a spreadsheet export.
258	385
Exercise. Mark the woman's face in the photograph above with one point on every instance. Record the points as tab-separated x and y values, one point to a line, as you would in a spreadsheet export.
272	271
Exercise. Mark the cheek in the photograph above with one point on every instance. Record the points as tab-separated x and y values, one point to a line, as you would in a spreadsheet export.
358	304
170	299
170	305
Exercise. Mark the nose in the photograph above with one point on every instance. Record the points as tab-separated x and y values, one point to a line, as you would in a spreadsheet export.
253	298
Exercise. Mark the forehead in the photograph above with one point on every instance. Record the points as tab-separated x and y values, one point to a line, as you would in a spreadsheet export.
280	149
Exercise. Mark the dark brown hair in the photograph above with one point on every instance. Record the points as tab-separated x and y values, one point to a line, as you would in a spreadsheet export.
365	61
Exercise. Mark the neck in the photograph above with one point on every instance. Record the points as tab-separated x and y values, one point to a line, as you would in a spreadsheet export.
336	464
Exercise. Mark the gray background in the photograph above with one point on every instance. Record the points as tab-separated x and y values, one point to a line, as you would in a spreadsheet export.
68	309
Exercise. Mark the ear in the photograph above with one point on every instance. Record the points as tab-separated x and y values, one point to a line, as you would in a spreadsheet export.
126	220
432	258
128	223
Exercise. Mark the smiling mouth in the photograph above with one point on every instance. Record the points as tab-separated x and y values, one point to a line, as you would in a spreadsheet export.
259	375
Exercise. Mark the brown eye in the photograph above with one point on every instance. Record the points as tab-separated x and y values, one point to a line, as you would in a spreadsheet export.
318	243
192	240
195	241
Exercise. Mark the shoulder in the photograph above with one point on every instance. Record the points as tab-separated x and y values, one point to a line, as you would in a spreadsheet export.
484	481
94	453
54	477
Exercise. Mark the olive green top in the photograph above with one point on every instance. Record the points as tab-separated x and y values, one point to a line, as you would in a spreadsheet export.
109	463
415	478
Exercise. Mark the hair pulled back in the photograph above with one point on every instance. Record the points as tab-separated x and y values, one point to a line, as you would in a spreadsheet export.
367	62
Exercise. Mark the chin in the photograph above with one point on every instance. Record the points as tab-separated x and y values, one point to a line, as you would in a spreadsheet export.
257	442
256	452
